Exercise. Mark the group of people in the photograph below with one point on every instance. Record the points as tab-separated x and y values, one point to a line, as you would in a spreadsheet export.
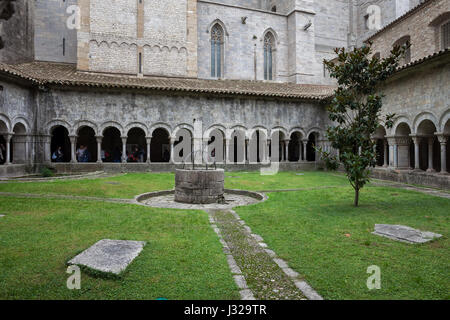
83	155
137	155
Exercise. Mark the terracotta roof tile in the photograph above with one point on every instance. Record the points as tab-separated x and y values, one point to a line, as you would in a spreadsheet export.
45	73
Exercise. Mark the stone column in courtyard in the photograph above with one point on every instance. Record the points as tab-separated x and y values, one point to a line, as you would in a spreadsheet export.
263	152
305	146
286	150
392	148
198	138
385	155
73	141
99	148
227	155
172	144
8	138
416	140
246	157
149	141
300	151
269	141
205	154
124	149
443	142
403	156
47	139
430	141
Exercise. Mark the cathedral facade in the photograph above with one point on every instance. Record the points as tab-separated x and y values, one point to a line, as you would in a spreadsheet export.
113	76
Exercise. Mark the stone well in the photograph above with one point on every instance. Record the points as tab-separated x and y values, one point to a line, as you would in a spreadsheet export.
199	186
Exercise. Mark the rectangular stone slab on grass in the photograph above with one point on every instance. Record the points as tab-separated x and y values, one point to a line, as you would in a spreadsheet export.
404	233
110	256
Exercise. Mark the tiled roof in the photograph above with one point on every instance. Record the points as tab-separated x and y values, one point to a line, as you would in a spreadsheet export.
399	19
424	59
45	73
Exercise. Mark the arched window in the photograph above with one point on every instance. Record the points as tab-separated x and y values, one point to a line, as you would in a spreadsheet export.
217	51
269	46
405	41
445	35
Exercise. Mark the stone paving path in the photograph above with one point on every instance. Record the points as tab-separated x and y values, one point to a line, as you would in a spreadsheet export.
257	271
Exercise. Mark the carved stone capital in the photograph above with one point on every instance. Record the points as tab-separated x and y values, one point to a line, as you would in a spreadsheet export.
442	138
403	140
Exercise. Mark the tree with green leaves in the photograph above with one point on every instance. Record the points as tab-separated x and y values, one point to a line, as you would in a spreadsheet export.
355	110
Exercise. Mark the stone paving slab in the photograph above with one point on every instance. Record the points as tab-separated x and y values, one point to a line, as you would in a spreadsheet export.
110	256
404	233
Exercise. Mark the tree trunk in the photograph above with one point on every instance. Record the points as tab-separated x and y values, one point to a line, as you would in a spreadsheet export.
356	197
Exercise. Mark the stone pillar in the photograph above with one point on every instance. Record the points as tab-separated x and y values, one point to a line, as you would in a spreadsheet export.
430	154
172	142
8	138
305	145
28	149
300	150
416	141
73	142
443	141
205	153
286	150
392	149
263	152
403	156
228	151
124	149
47	151
198	138
149	142
99	148
385	156
246	159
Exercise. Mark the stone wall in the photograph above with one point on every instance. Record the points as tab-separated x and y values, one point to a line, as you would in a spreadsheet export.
53	39
422	27
17	34
418	94
151	111
157	36
243	43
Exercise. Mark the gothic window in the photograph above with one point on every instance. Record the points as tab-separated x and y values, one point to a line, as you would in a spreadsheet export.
445	35
269	46
217	36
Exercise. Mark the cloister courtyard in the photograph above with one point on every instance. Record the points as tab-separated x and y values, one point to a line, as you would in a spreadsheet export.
307	222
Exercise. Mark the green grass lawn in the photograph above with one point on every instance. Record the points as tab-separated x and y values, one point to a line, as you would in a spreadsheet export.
183	258
129	185
125	186
309	229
